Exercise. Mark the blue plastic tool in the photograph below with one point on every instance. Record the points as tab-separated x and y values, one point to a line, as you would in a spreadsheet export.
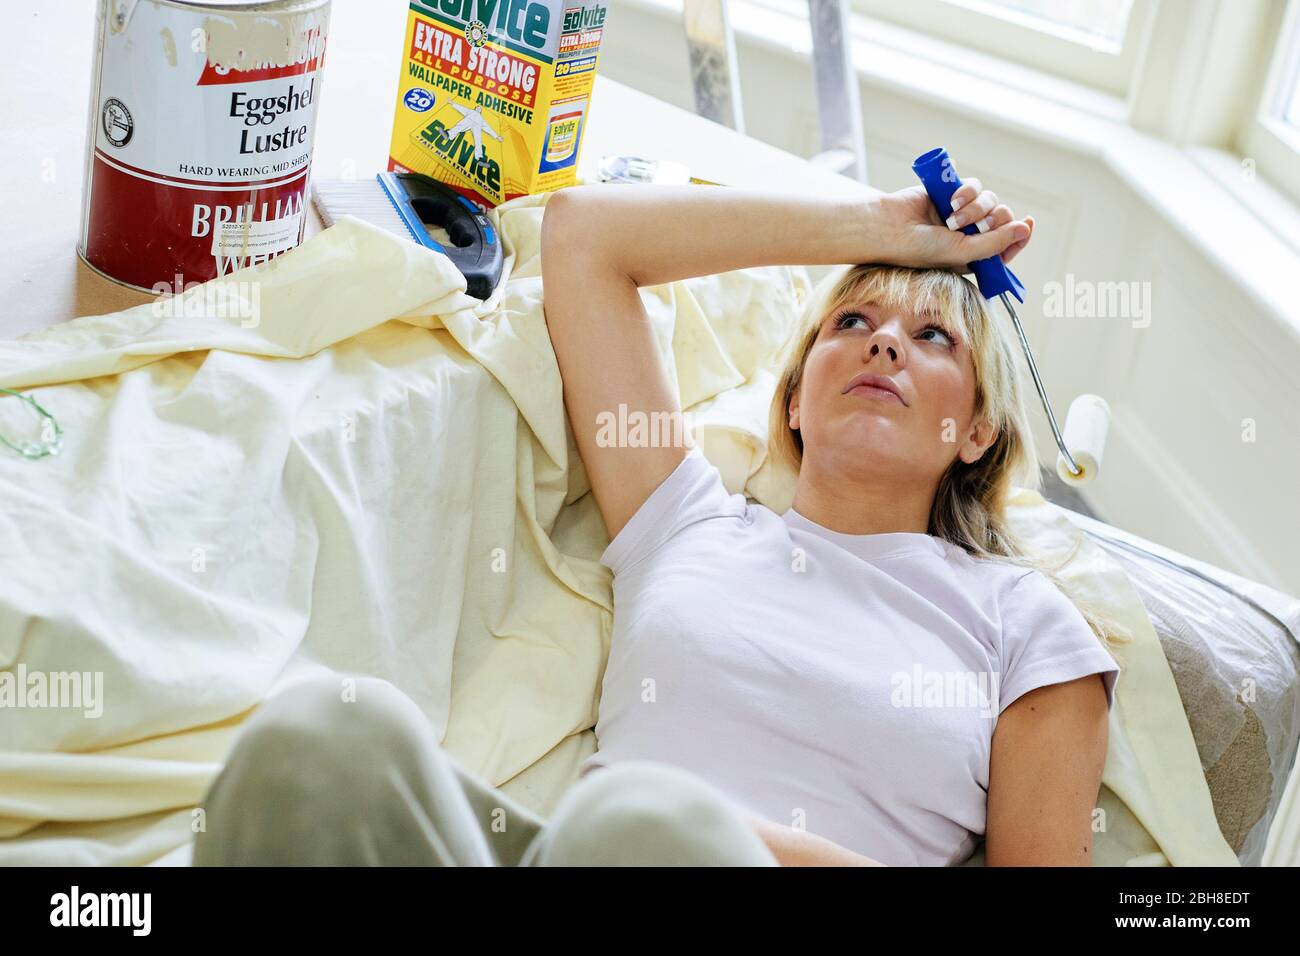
939	177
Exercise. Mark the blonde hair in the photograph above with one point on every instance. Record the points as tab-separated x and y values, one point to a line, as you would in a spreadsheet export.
969	508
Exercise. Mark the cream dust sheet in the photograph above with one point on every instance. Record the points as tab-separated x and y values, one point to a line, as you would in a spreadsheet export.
347	465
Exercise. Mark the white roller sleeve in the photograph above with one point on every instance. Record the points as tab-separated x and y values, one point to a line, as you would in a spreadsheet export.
1086	425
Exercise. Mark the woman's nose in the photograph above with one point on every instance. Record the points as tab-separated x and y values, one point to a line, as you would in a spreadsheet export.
887	343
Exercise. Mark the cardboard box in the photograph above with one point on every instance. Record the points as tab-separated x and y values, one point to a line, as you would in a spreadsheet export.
494	94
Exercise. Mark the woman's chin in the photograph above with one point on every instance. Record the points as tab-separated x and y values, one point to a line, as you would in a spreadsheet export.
865	442
877	432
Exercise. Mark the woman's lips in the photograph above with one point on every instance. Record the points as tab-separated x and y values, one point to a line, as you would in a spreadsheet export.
872	391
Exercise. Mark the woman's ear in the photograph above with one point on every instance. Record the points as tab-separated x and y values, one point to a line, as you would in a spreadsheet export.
981	437
793	417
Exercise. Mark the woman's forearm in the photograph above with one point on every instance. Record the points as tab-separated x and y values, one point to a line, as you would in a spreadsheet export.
793	847
659	233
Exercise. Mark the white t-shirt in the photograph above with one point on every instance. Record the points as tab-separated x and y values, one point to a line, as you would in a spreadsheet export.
846	684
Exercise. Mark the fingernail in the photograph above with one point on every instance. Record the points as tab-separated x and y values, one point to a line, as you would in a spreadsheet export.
952	222
983	225
957	204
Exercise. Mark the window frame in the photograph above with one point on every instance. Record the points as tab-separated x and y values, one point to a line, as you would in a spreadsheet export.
1267	138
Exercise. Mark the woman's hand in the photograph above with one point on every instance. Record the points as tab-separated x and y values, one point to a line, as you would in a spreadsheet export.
793	847
908	229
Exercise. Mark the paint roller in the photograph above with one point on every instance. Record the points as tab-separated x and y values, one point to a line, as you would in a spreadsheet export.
1080	449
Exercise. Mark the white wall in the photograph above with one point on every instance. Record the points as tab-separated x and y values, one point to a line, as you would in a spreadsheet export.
1111	205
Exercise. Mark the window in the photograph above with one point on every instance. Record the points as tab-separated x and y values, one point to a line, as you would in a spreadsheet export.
1271	141
1092	42
1289	76
1098	21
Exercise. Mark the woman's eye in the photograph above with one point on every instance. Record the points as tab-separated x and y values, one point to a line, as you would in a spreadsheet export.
844	321
934	328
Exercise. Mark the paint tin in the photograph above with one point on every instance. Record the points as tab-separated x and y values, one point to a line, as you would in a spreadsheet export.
202	121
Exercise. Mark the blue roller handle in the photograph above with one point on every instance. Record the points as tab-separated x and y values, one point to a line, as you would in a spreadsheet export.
940	179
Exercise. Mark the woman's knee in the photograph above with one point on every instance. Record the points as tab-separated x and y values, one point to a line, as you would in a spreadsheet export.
642	813
308	761
334	725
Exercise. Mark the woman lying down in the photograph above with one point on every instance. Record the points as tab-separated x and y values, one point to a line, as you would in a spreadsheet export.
877	676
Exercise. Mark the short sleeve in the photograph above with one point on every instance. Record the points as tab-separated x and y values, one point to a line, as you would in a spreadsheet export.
1046	640
692	492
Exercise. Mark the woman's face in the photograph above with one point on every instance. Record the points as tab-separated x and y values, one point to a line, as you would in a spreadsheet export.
847	424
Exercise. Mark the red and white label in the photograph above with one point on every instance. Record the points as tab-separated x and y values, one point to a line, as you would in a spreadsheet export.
198	169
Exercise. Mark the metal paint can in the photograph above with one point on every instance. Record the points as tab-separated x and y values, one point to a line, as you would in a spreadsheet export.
199	146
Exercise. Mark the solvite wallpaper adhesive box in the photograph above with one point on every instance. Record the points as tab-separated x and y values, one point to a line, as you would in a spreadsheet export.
494	94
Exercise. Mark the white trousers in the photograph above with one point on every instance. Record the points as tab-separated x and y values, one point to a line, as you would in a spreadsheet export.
317	780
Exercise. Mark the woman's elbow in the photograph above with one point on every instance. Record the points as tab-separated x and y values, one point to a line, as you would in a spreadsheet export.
558	226
577	244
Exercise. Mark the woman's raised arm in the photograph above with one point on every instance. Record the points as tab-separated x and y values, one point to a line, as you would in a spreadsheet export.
599	243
